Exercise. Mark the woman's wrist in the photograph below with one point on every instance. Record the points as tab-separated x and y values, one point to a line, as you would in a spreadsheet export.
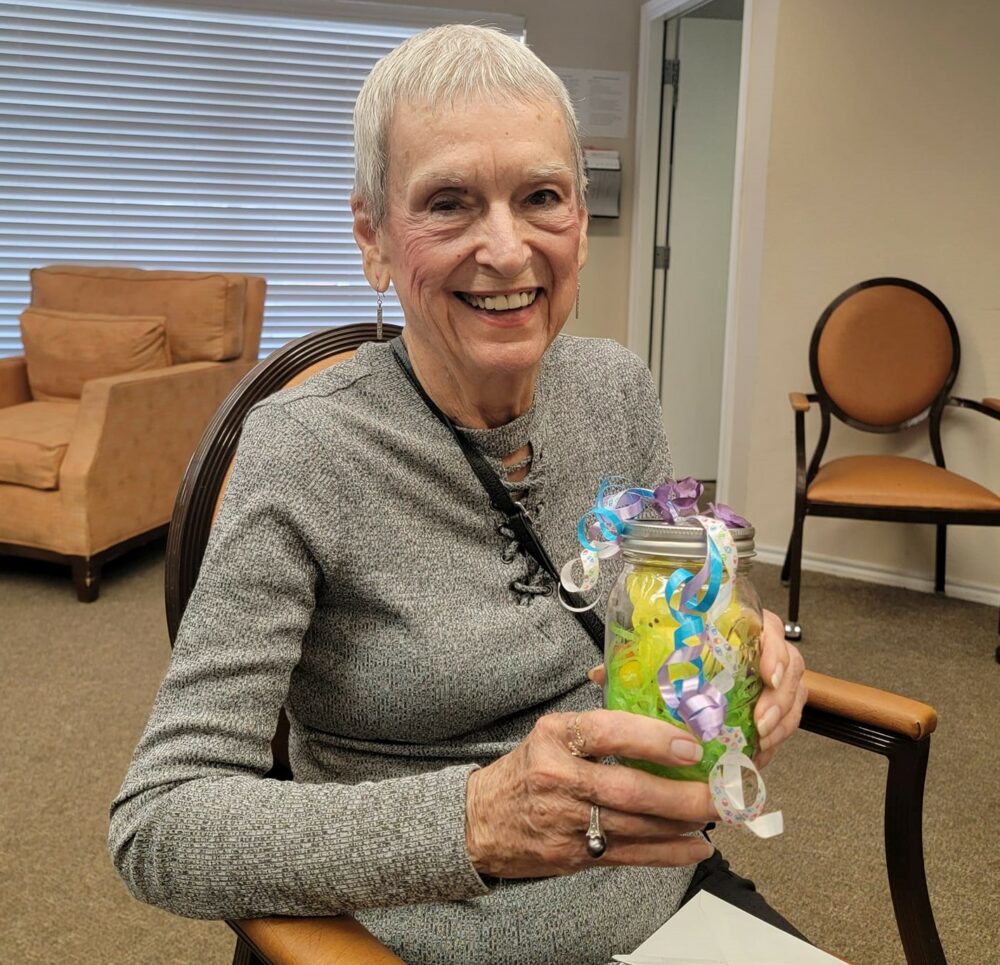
475	828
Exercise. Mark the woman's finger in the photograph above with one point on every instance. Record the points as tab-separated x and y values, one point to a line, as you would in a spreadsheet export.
774	650
631	791
647	826
789	723
617	733
597	674
784	696
776	703
657	854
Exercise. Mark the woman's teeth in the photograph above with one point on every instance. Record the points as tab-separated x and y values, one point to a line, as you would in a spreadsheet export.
500	303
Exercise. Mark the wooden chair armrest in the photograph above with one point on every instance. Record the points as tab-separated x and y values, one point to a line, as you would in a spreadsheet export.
799	401
313	941
868	705
989	406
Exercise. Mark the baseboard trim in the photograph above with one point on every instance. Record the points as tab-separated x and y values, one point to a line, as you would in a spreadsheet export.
872	573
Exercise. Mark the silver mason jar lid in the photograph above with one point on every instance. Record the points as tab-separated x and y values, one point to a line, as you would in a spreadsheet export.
657	538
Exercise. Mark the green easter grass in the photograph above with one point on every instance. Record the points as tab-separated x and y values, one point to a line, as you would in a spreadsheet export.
647	700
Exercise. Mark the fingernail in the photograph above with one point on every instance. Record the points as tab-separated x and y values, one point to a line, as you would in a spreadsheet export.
687	750
709	851
778	674
592	675
766	724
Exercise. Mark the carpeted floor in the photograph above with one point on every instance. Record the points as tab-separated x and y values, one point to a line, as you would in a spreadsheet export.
77	682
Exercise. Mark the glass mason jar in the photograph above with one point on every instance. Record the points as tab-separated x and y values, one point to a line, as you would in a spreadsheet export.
641	637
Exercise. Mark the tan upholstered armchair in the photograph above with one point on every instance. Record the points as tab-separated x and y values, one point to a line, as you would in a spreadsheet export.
123	369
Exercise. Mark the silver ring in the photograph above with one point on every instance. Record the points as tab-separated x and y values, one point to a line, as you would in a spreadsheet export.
597	844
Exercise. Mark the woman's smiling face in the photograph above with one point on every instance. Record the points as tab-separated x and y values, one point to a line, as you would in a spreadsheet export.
484	232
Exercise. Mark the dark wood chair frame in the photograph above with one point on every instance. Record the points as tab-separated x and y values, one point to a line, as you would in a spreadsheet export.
791	571
903	824
192	520
194	510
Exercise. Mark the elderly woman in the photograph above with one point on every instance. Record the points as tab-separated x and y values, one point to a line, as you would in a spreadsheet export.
445	738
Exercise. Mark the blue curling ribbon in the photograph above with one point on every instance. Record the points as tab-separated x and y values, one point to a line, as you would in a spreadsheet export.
714	580
611	527
691	624
608	519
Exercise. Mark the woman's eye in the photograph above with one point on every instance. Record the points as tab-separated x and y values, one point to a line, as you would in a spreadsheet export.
445	204
543	198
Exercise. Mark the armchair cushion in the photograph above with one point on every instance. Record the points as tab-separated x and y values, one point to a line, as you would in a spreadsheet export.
33	441
64	350
897	481
204	311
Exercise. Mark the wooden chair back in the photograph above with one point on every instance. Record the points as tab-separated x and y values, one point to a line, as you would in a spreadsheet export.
208	472
884	354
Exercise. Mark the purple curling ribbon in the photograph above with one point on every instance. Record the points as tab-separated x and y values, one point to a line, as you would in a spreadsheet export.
699	704
725	514
676	499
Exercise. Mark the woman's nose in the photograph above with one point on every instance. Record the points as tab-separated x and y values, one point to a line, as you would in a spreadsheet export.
503	247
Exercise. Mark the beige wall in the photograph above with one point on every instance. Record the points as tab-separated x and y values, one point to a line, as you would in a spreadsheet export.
884	160
883	146
602	35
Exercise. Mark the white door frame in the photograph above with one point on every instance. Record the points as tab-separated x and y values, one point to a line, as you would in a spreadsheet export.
753	130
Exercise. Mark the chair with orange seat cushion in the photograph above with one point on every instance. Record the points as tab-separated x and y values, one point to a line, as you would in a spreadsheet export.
883	357
895	727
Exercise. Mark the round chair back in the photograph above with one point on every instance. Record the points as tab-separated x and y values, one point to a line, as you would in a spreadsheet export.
884	353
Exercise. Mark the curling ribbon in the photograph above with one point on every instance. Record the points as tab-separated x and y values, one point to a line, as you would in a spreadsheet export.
699	703
600	536
600	529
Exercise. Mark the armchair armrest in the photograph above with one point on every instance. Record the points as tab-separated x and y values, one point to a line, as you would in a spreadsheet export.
988	406
304	941
800	401
868	705
134	436
900	730
14	388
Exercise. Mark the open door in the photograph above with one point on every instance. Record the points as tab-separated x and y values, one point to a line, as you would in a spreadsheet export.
694	200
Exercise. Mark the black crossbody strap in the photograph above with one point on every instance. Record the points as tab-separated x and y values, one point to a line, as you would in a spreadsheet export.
500	499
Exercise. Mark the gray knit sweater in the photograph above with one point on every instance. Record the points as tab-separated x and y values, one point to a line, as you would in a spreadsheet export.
357	576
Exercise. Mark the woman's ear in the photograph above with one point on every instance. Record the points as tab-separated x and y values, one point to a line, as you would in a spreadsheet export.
369	239
581	257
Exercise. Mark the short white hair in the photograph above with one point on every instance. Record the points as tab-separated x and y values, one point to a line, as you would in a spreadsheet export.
449	64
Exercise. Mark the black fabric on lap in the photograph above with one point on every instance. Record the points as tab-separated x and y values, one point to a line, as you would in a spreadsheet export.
716	877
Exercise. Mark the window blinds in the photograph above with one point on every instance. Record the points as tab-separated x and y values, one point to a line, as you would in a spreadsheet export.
172	136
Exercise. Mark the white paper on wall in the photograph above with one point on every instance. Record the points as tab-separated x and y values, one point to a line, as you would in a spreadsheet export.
600	98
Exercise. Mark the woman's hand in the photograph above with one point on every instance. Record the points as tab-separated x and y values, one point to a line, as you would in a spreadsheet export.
528	811
779	707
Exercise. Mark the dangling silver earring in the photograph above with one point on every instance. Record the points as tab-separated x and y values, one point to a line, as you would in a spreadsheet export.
378	316
577	315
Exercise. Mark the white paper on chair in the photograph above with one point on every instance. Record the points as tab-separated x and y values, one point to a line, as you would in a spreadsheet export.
710	931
